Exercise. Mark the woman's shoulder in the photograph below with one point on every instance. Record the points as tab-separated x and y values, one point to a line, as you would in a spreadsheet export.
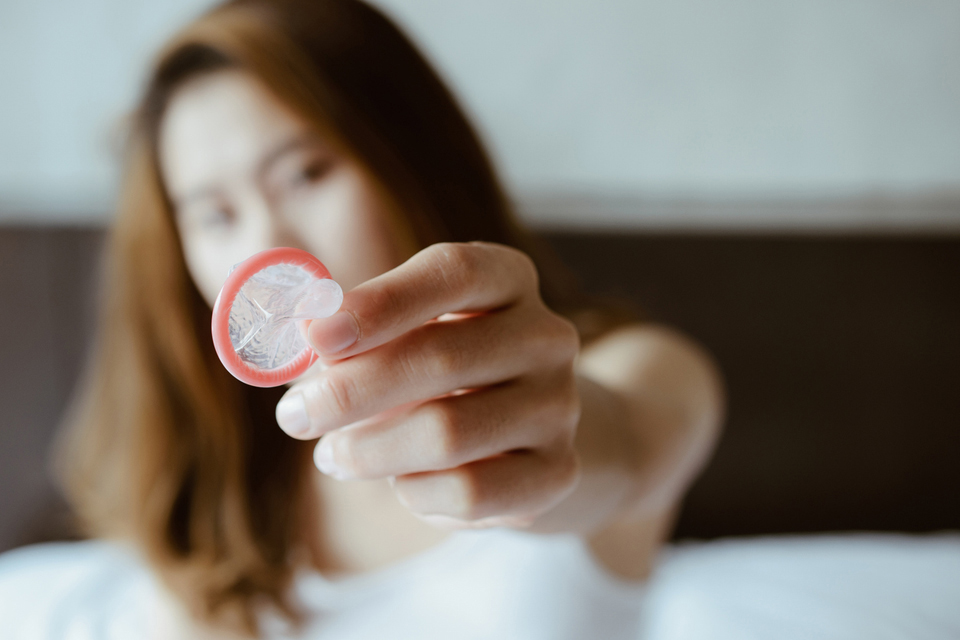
78	589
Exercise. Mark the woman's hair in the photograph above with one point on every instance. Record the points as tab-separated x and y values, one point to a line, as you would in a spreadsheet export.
165	448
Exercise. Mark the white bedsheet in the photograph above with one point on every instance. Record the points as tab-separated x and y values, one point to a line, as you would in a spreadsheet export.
875	587
512	586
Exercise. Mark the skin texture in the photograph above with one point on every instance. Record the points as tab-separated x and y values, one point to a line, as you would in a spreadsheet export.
448	395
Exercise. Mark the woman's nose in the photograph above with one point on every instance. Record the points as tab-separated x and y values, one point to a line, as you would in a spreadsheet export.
282	235
272	229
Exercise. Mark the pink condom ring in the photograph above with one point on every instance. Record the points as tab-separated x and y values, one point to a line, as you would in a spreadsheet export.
243	273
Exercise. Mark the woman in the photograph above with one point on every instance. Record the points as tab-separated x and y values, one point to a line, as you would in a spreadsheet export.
464	384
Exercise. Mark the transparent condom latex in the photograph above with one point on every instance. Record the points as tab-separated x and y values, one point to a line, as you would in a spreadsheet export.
261	312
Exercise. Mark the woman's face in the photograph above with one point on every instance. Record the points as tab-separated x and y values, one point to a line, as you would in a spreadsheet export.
245	174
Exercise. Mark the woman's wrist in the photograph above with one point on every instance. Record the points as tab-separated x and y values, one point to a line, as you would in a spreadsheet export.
651	409
673	404
607	451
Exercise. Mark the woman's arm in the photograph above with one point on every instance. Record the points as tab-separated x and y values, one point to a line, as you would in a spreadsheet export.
652	407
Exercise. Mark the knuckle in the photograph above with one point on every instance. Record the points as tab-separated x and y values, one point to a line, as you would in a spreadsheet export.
446	358
569	409
560	413
459	264
562	476
566	337
445	434
527	268
335	396
555	338
519	264
388	301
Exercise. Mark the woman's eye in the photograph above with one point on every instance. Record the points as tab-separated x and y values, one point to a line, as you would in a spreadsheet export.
217	217
312	171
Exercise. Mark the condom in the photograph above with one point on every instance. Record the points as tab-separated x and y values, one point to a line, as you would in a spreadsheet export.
260	315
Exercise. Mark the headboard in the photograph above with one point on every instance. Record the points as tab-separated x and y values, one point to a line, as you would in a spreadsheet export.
841	355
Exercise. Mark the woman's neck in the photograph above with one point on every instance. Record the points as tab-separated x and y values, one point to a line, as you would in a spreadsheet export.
356	526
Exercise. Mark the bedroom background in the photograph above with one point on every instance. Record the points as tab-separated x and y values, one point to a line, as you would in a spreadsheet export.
781	180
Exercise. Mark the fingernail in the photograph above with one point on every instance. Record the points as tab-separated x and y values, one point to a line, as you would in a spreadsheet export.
334	334
292	414
323	458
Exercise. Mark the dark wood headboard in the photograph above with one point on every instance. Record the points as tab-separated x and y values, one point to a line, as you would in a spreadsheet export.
842	360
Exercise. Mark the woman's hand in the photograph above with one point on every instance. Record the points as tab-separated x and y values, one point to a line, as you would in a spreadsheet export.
472	415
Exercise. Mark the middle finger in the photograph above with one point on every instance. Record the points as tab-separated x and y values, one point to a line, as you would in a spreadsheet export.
430	361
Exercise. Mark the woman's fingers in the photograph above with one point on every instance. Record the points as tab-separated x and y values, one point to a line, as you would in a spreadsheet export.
499	453
429	361
443	278
517	486
448	432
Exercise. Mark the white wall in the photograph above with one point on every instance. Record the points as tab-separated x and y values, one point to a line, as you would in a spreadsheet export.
689	98
69	71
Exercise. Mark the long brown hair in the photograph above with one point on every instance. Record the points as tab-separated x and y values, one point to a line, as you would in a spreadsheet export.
165	448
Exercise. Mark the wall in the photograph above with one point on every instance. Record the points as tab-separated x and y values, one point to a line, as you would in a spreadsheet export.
704	98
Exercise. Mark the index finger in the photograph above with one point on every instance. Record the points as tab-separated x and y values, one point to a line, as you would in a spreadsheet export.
443	278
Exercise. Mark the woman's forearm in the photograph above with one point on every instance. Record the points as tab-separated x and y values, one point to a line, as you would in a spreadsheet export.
652	405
